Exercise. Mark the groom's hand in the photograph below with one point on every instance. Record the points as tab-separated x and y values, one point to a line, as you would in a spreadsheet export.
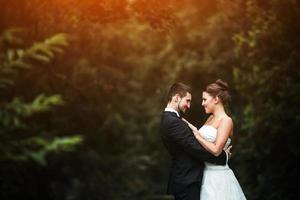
228	151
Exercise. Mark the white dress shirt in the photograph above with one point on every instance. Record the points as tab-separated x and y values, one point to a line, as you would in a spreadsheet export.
172	110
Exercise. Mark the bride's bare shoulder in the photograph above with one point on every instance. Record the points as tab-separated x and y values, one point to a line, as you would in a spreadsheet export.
227	120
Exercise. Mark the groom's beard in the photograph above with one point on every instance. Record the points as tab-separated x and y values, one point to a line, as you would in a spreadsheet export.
181	112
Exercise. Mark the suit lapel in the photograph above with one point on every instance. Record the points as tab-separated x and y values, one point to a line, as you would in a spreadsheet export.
172	114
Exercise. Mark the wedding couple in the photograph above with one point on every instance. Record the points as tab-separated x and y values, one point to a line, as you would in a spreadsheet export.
199	167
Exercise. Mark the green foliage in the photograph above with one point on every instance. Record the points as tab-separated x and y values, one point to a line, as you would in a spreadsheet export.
17	140
111	82
44	52
13	112
268	80
57	145
15	59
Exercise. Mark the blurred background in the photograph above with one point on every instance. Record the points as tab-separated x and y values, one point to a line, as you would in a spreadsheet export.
83	85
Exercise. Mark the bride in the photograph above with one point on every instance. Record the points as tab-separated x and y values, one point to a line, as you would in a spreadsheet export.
219	182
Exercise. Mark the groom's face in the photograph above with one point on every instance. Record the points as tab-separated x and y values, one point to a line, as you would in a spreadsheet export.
185	102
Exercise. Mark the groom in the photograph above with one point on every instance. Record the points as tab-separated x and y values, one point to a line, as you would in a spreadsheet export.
187	154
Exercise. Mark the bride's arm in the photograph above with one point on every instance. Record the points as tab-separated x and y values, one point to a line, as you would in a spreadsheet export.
224	131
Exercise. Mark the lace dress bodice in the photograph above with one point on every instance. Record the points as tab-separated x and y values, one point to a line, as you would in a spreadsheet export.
209	133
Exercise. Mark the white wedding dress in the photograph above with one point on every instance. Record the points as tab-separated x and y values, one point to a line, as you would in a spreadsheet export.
219	181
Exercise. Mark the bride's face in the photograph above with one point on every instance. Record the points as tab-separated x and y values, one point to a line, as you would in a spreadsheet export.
208	102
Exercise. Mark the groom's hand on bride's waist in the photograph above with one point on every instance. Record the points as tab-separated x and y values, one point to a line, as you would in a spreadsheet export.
228	151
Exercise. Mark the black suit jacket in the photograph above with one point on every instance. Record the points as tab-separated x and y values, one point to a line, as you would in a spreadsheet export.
187	154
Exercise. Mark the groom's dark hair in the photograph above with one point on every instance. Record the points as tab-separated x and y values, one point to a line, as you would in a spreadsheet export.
178	88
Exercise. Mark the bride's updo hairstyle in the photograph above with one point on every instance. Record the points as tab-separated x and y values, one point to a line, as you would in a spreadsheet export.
219	89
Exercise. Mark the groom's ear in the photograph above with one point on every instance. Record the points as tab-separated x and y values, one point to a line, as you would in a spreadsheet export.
176	98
